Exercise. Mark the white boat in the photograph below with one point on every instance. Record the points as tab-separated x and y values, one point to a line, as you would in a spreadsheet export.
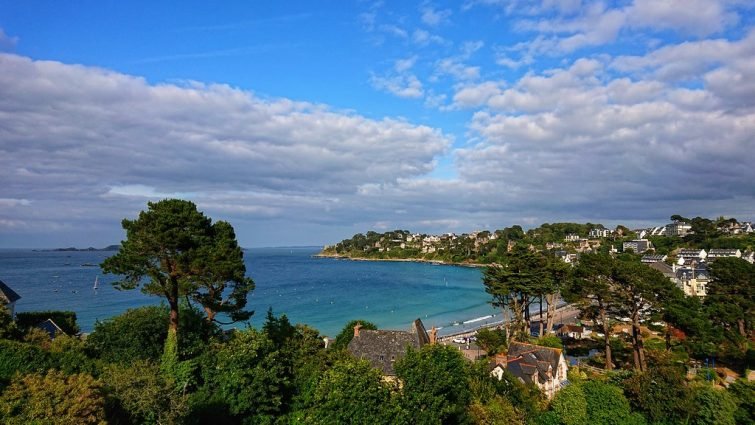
96	283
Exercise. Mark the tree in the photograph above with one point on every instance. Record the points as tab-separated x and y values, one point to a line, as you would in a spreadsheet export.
140	333
353	392
570	405
435	386
491	340
713	406
221	267
639	289
606	404
347	333
731	295
515	285
247	375
53	398
144	394
592	291
660	393
171	251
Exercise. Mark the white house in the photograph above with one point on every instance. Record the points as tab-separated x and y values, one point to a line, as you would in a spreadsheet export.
677	229
721	253
638	245
571	237
600	233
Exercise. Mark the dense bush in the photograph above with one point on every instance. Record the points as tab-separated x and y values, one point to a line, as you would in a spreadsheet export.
140	333
53	398
65	319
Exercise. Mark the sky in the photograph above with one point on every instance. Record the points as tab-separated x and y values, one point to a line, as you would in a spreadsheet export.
305	122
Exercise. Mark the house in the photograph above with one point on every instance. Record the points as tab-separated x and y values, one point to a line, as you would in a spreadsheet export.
693	279
573	331
382	348
749	256
692	254
600	233
51	328
721	253
678	228
638	245
543	366
571	237
657	258
8	298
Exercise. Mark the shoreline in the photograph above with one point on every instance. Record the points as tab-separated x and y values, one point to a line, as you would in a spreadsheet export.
565	313
401	260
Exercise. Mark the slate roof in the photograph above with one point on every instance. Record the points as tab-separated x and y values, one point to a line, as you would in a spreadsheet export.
382	348
7	295
51	328
664	268
528	360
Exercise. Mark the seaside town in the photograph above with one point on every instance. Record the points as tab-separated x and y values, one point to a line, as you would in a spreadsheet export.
422	212
588	315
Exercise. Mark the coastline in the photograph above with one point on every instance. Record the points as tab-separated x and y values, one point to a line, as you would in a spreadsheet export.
566	313
400	260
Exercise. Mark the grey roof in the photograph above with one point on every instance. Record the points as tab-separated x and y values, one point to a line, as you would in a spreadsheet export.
654	258
7	295
663	268
527	360
382	348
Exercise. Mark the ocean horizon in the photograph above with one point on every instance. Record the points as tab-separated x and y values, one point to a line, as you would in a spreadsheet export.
324	293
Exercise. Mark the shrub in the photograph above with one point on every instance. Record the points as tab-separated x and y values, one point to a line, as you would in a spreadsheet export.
65	319
53	398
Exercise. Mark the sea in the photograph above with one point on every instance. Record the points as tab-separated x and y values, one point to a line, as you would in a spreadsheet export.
324	293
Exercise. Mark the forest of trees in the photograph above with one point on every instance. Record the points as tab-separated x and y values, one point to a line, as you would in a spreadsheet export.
174	364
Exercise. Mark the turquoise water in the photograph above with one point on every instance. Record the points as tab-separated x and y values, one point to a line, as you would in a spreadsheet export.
322	292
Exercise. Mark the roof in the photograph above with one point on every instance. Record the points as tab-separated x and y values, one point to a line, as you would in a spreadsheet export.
663	268
7	295
528	360
382	348
570	328
51	328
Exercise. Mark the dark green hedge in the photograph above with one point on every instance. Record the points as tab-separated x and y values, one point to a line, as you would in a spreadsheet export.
65	319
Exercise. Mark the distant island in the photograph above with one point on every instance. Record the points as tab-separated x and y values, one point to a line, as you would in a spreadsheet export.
74	249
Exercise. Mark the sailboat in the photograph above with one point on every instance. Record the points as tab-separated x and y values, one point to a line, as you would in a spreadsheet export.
96	283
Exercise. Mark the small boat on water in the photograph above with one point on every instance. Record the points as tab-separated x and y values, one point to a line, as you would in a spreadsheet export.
96	283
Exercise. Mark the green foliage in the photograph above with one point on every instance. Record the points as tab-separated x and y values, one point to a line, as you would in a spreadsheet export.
712	406
491	340
570	405
8	327
246	375
144	395
435	386
606	404
496	411
65	319
53	398
523	278
18	357
172	250
347	333
730	295
353	392
743	393
549	341
140	333
660	393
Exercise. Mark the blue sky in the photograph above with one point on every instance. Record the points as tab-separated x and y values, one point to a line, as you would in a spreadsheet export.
306	122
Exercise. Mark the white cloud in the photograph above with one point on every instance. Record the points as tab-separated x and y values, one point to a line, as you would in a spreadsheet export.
407	86
402	65
433	17
424	38
477	94
96	144
6	41
393	30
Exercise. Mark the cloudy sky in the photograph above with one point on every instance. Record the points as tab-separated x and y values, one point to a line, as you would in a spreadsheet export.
306	122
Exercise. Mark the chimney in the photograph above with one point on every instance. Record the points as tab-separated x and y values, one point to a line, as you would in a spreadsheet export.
357	328
433	335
